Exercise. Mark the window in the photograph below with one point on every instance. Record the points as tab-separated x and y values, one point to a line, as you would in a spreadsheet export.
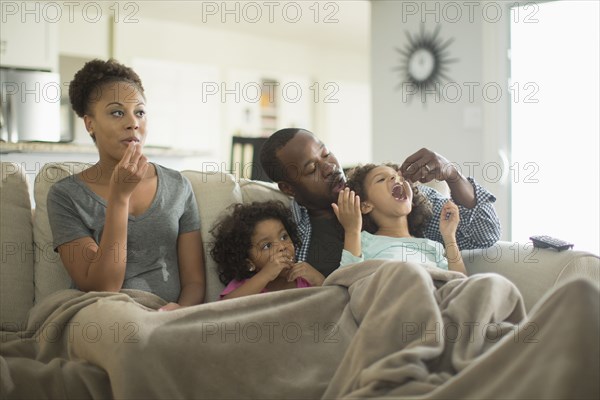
555	122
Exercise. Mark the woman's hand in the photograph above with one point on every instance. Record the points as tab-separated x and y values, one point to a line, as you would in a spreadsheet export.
347	211
306	271
129	171
449	219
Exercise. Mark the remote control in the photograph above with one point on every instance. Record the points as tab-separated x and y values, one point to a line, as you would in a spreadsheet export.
544	241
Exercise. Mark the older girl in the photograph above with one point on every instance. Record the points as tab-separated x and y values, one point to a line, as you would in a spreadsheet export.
383	217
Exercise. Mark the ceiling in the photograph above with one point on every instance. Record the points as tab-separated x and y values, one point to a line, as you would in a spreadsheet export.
344	24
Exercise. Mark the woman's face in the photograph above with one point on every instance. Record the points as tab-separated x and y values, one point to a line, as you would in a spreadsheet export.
388	194
269	239
117	117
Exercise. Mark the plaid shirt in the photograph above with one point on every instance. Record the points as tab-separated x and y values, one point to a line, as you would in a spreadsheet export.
479	227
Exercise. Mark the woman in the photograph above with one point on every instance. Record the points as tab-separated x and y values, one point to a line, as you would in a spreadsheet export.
125	222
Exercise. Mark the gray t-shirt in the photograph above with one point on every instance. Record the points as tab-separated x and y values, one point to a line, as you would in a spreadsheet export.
75	211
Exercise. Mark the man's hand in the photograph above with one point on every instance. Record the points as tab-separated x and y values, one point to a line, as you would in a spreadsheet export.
426	165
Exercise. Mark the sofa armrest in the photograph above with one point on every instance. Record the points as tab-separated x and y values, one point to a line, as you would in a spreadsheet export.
534	271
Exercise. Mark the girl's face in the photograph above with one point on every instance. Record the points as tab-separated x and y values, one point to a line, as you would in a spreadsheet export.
268	239
117	117
387	192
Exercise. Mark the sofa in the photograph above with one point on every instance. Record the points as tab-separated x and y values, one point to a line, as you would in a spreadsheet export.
31	270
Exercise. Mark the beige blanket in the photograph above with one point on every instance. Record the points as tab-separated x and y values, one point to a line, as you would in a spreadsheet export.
377	329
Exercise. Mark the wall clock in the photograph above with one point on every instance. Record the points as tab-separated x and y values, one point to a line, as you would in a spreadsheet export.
424	61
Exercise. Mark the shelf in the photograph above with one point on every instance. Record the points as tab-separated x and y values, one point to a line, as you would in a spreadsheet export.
43	147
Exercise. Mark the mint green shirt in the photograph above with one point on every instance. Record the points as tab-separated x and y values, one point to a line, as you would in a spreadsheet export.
410	249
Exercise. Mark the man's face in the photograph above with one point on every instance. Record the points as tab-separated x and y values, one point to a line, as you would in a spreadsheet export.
314	175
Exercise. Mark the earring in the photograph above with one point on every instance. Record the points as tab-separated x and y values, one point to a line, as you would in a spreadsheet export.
252	267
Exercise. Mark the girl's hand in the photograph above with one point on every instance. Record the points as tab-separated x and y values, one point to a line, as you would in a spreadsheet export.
449	219
347	211
278	262
306	271
169	307
130	170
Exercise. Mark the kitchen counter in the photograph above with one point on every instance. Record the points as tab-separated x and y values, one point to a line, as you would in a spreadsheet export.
54	148
32	156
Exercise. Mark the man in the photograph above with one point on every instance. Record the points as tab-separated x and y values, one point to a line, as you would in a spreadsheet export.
305	169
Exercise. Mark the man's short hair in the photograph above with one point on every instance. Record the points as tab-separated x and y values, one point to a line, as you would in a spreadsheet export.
269	161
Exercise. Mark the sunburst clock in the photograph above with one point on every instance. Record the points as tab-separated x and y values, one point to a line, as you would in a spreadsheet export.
424	61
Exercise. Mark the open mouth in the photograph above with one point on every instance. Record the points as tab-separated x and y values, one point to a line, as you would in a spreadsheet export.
398	192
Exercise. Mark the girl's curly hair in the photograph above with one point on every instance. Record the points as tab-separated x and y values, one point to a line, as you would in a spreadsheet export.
421	206
233	233
88	82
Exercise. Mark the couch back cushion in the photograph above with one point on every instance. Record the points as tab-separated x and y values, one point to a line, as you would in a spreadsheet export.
16	240
262	191
214	192
49	273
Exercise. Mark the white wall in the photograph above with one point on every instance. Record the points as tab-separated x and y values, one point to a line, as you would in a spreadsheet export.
173	32
230	50
181	35
470	130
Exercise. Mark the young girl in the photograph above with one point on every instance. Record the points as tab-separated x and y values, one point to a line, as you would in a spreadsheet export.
255	250
125	222
391	213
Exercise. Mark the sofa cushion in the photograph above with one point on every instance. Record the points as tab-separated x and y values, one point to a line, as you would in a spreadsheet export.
49	273
532	270
262	191
16	237
214	192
